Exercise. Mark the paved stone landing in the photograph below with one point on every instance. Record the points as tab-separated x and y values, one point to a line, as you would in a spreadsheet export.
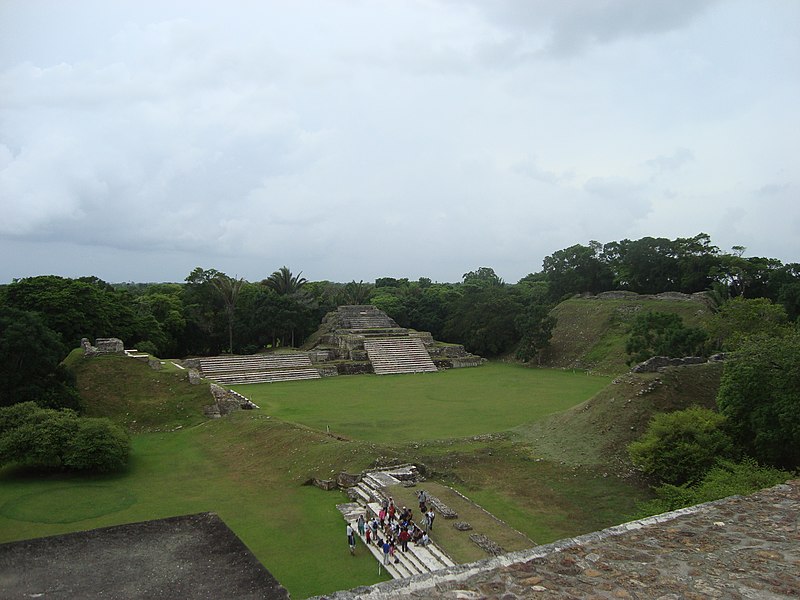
188	557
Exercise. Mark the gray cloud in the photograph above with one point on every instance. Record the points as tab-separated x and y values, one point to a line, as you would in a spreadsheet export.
357	140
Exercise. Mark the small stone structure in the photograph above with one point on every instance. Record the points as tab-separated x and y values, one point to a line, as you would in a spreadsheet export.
659	364
102	346
484	543
225	402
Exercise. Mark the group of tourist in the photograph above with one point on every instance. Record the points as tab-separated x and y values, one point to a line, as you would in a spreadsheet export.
392	528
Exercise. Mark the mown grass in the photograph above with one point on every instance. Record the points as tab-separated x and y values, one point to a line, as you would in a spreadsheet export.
425	406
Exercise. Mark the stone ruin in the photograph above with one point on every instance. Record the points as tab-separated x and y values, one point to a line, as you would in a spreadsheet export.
364	339
102	346
351	340
659	364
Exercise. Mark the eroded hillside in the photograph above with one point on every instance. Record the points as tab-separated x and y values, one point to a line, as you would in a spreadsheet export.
591	331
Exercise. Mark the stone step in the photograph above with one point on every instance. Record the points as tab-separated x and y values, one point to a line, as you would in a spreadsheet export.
265	376
255	362
398	355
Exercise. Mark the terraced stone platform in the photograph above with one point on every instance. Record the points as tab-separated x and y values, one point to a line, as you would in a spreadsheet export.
258	368
368	495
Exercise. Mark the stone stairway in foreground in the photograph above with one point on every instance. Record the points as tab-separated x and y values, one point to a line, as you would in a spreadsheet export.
368	495
399	355
258	368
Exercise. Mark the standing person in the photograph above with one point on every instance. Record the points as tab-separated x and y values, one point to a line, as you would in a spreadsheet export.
351	539
386	547
423	498
431	517
361	525
404	536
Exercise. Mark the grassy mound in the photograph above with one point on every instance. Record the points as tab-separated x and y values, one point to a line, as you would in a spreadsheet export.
597	431
130	393
591	333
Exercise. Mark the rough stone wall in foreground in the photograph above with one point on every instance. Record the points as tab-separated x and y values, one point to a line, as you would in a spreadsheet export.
738	547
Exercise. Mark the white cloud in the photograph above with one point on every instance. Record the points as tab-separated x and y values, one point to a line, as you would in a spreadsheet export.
412	139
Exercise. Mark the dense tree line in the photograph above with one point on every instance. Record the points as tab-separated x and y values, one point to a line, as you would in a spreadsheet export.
212	312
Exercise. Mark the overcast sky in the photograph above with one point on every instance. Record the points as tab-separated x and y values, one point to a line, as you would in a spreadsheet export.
359	139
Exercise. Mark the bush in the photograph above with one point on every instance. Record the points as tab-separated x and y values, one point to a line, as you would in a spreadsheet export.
663	334
679	447
728	478
44	437
98	445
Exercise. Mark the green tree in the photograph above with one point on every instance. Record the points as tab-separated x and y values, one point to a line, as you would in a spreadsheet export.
760	396
576	270
535	326
228	289
30	357
483	317
282	281
356	293
740	318
681	446
662	334
204	311
75	308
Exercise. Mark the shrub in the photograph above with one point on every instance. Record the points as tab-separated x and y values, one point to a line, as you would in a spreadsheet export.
98	445
662	334
727	478
44	437
679	447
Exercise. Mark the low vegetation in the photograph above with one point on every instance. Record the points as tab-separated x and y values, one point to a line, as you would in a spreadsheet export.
59	439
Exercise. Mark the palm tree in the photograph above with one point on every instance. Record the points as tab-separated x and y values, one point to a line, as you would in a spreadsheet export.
229	289
284	283
356	293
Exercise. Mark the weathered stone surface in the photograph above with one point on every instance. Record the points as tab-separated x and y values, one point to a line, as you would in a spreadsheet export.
102	346
323	484
346	480
441	508
739	547
487	545
462	526
190	557
659	363
194	376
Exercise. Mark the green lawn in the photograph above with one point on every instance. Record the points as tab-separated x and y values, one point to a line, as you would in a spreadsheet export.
426	406
250	467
